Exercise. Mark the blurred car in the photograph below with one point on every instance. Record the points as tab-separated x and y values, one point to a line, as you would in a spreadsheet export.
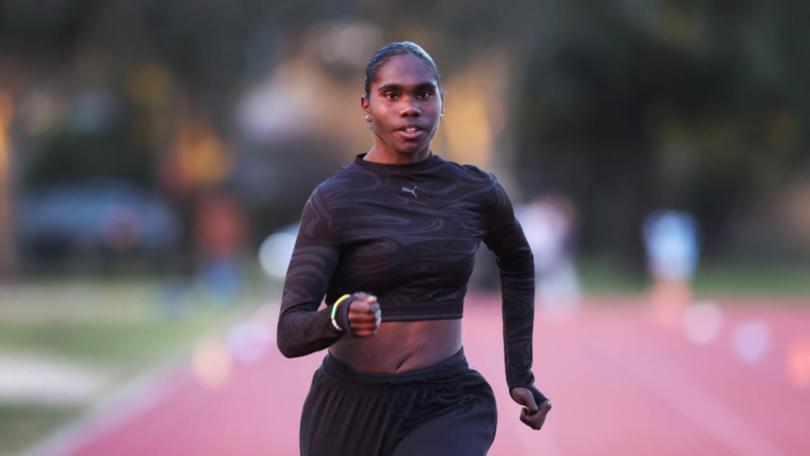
99	217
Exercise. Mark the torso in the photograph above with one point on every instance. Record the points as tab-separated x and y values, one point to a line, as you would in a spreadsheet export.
400	346
408	234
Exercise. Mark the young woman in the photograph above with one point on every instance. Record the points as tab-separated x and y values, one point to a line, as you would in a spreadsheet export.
390	241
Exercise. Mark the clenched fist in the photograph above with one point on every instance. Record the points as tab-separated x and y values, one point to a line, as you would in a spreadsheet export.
532	414
364	315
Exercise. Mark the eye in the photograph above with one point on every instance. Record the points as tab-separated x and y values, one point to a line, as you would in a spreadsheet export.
391	95
424	94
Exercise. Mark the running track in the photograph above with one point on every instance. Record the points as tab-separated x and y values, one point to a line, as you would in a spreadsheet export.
620	383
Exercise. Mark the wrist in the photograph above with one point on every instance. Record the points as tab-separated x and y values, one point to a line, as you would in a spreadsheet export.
340	304
539	397
343	315
339	315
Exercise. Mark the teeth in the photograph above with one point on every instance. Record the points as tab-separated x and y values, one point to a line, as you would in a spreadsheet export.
410	129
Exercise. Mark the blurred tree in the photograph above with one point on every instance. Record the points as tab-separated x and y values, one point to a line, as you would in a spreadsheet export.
692	105
626	105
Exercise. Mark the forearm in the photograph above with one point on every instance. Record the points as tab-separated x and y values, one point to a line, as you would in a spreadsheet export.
302	328
301	332
517	289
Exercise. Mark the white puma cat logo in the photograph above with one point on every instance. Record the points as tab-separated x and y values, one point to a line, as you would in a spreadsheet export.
412	191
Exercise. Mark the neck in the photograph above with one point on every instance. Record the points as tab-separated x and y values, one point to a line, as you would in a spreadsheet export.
379	155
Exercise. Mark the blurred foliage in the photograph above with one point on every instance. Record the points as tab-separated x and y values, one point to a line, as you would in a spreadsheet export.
625	105
693	105
72	155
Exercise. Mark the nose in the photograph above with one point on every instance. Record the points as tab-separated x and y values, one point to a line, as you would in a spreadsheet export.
409	109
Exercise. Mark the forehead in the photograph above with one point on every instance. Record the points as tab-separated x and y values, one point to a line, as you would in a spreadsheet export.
405	69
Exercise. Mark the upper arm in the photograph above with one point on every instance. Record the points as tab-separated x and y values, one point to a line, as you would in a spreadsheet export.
503	233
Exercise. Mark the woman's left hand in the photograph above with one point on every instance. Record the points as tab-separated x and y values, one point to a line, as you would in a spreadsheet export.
531	415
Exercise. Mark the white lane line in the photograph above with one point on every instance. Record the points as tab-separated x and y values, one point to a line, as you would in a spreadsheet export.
651	369
122	405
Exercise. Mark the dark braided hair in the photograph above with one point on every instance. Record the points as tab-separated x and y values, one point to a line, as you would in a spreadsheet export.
390	50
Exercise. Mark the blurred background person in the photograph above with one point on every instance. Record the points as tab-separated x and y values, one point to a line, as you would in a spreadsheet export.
549	224
671	241
221	237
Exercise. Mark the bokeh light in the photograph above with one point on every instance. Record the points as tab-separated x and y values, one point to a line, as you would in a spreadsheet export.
750	340
798	362
211	362
249	341
275	253
702	322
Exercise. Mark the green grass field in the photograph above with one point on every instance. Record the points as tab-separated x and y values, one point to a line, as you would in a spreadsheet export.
22	423
717	277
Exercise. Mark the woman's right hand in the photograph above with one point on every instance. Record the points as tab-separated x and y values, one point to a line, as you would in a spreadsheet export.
364	315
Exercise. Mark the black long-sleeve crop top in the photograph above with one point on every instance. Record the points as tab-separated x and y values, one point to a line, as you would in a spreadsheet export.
407	234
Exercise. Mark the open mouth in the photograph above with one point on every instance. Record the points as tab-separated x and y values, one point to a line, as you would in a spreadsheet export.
411	131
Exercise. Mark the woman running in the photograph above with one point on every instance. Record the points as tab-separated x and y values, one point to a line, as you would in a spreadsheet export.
390	240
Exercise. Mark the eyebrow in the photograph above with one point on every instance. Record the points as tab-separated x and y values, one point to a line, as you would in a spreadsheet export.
397	87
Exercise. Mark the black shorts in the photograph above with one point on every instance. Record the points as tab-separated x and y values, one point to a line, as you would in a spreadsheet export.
446	409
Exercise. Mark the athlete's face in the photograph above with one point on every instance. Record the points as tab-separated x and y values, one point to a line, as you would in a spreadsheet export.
403	106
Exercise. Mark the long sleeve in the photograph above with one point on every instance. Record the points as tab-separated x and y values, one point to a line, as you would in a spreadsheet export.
504	236
302	329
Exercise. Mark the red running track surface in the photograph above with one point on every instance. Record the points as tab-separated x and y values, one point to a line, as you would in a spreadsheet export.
619	382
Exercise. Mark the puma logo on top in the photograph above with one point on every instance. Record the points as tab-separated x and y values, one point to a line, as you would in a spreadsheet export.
412	191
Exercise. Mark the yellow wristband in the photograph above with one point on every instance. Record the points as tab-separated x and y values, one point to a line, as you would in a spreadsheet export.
334	310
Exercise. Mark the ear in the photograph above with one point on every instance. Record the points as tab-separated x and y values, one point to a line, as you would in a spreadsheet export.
441	99
364	105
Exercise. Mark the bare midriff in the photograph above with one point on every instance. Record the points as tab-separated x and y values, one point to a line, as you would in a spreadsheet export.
400	346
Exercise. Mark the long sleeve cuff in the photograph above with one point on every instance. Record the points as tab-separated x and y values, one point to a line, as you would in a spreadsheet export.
304	332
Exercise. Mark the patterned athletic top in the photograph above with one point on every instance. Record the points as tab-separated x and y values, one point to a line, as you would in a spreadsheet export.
407	234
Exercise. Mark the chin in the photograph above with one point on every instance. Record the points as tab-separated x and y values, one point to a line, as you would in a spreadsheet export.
413	149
